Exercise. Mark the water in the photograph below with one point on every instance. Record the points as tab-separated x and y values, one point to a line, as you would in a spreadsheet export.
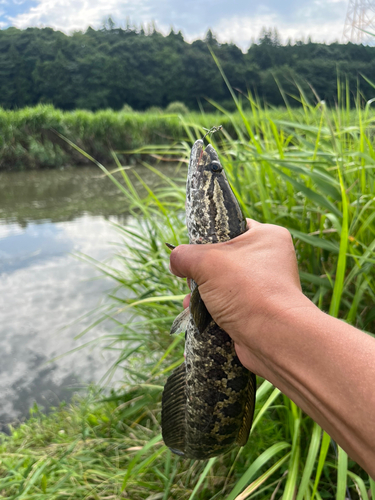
45	216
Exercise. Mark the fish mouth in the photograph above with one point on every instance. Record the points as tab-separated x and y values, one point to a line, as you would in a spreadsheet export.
201	156
210	151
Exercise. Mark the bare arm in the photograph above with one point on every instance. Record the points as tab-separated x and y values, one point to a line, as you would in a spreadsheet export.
251	287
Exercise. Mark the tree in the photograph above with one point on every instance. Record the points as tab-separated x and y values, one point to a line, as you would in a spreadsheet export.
107	67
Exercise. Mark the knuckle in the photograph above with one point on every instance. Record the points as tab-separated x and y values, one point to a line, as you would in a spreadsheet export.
278	233
176	253
210	260
176	256
285	233
282	234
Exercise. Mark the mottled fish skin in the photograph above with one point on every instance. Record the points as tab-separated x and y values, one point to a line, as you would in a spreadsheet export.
208	402
217	391
212	211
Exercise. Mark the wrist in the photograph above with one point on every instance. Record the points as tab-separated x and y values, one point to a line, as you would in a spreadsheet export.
278	324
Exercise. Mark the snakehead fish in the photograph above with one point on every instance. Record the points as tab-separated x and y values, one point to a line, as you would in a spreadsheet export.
208	401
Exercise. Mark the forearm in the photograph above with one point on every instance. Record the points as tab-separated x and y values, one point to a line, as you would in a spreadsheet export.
327	368
251	287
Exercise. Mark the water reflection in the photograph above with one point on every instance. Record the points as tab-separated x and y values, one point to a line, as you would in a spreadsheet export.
20	393
44	218
43	288
57	195
24	246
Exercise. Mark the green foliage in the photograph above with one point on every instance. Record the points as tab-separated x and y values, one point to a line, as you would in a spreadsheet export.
312	173
111	66
127	108
155	110
93	449
177	108
28	136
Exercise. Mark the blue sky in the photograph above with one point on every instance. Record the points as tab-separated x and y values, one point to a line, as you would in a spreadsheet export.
237	21
12	8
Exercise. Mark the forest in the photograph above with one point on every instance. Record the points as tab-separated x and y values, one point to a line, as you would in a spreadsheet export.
112	67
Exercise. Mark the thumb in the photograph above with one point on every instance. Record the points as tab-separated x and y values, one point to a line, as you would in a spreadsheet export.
185	261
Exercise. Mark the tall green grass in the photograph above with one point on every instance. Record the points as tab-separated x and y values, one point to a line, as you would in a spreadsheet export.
28	139
311	171
313	174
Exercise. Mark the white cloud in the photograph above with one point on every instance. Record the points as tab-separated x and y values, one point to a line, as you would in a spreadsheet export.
244	30
73	15
240	22
9	230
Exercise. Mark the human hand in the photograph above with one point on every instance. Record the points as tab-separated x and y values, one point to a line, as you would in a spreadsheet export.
246	283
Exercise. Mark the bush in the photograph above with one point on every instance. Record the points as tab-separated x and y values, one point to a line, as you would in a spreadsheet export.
155	110
177	108
127	108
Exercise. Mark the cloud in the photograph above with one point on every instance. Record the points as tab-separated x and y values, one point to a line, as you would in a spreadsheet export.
9	230
244	30
72	15
238	21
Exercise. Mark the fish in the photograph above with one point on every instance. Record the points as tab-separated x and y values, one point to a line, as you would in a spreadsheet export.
208	401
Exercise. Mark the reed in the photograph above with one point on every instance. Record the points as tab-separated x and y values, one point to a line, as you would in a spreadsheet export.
28	138
311	171
313	174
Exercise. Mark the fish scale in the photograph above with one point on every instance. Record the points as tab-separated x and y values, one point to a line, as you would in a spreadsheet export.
208	401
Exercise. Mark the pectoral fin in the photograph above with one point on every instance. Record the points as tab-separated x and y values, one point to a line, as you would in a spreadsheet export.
173	411
181	322
198	309
243	434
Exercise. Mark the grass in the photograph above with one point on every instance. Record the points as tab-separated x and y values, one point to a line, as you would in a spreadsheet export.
112	449
311	171
28	139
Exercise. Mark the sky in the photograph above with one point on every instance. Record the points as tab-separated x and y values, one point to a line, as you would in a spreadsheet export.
238	21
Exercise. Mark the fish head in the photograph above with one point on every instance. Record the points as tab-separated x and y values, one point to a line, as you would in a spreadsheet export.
213	213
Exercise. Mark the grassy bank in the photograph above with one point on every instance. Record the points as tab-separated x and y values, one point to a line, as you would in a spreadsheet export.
312	172
28	139
114	449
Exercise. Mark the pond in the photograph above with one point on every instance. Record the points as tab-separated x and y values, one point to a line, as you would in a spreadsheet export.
45	218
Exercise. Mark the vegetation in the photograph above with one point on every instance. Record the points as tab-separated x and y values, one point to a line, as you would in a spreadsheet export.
311	171
177	108
113	67
28	138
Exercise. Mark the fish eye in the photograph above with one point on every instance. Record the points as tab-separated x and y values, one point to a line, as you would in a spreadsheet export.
216	167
